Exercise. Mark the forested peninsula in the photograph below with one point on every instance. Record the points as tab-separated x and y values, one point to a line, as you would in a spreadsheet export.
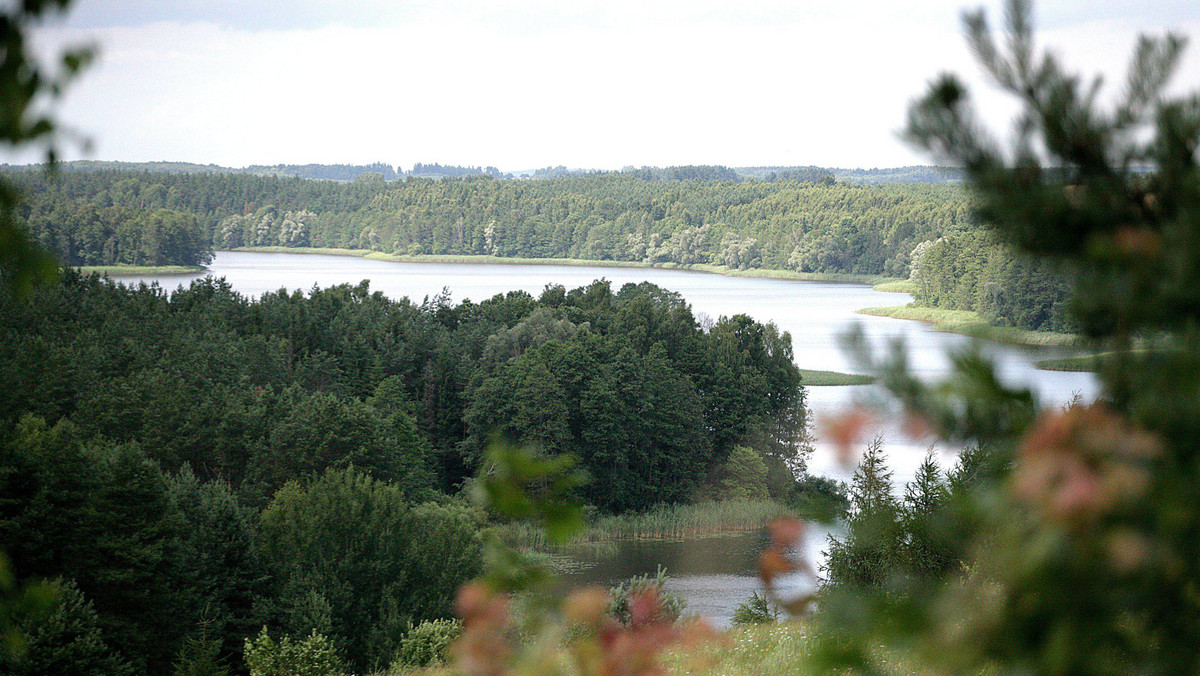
755	219
199	458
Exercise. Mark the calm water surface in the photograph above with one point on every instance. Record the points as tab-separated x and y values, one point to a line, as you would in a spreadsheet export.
814	313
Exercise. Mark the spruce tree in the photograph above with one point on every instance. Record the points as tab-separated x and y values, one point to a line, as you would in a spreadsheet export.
1084	530
868	555
925	549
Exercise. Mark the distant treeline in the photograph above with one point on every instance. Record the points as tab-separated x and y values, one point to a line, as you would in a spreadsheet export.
638	216
334	172
349	172
452	171
793	219
916	174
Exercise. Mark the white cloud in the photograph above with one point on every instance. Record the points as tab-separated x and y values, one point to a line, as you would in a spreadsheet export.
530	83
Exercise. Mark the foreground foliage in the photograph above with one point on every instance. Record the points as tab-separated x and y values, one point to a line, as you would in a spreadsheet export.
1081	530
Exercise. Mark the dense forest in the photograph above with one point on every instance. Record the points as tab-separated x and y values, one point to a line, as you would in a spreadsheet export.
974	270
231	442
82	233
792	222
794	219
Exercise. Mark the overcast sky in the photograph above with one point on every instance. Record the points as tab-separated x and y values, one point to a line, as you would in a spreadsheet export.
530	83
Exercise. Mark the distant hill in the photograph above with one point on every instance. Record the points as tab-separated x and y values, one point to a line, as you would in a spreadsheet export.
435	170
153	167
914	174
332	172
349	172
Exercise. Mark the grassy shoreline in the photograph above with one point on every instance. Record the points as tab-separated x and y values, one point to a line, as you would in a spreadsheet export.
1092	361
817	378
953	321
898	286
324	251
1079	364
575	262
114	270
667	522
971	324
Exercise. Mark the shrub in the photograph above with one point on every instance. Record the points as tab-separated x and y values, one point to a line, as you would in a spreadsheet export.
755	610
745	476
313	656
670	606
427	644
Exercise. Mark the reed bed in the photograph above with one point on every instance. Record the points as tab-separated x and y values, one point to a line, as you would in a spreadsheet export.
972	324
816	378
688	521
131	270
898	286
666	522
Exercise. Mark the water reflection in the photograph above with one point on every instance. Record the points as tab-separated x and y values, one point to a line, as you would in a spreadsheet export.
712	574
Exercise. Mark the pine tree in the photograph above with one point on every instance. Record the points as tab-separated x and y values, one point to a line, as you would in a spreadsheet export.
869	553
200	655
926	551
1084	525
68	640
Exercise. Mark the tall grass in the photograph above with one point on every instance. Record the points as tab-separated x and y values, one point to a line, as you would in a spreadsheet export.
816	378
579	262
665	522
775	648
898	286
118	270
972	324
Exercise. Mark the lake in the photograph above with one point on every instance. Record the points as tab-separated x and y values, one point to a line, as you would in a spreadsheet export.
814	313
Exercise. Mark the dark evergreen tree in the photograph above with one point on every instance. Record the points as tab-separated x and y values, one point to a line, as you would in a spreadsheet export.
359	563
869	555
926	551
66	641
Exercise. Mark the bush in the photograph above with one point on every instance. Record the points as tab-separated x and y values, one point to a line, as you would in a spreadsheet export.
745	476
670	606
820	499
314	656
755	610
427	644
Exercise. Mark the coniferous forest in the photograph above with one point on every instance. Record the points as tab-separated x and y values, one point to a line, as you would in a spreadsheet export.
198	482
234	444
777	220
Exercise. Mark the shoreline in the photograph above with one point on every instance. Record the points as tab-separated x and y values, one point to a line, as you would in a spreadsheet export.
950	321
127	270
757	273
1085	363
709	518
819	378
967	323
